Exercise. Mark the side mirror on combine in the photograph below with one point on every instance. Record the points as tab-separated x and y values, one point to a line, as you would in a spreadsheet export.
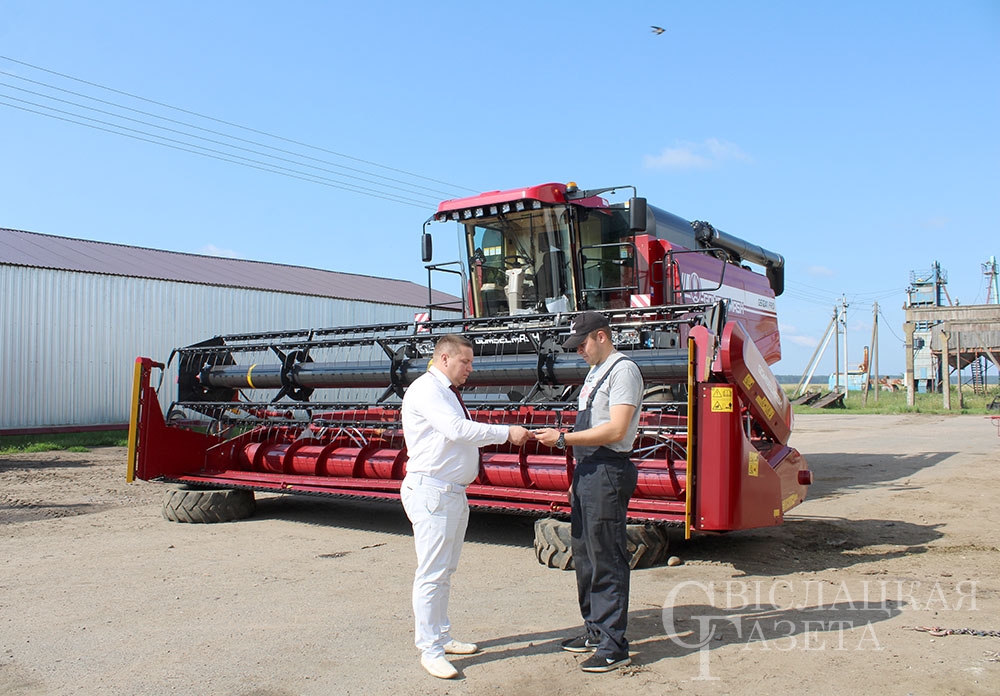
426	247
776	277
637	210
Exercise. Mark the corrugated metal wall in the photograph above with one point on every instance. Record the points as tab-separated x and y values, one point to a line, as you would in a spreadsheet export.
68	341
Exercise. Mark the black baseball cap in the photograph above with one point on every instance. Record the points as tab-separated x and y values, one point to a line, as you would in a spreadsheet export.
581	326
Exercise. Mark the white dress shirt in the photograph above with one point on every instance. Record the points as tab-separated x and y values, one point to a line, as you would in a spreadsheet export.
441	441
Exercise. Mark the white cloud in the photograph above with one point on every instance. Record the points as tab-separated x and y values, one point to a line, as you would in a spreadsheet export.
937	222
820	271
704	155
212	250
790	334
807	341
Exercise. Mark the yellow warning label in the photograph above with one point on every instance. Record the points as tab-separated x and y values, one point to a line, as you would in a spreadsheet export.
752	466
789	502
749	381
722	399
765	406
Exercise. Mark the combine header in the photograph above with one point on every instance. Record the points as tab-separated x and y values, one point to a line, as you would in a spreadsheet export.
318	411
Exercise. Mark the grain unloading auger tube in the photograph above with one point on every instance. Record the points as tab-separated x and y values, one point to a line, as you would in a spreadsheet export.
318	412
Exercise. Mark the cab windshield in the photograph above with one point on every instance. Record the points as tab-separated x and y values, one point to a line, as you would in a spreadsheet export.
519	263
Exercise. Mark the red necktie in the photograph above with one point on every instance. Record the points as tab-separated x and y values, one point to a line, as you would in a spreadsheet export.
458	396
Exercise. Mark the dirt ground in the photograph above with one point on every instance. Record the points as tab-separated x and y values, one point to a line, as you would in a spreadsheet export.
99	594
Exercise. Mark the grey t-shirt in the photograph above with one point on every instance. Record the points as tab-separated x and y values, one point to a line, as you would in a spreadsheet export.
623	386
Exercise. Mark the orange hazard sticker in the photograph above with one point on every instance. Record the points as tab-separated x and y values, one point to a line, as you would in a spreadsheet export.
722	399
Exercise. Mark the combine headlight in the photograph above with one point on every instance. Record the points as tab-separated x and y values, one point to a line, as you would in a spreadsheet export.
505	208
537	205
479	212
519	205
466	214
493	210
454	215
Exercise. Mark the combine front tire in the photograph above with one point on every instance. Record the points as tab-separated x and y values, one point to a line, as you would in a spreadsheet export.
207	505
553	545
647	544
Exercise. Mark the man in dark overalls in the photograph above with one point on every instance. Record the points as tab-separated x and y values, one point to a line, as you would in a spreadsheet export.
603	481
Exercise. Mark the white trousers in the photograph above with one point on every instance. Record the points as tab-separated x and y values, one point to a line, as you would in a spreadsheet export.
439	519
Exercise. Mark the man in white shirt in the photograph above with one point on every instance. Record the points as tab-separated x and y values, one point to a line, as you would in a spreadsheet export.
443	444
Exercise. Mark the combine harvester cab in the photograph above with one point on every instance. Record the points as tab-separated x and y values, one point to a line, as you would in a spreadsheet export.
318	411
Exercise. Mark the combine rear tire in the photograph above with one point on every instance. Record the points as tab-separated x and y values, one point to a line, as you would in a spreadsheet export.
207	505
647	544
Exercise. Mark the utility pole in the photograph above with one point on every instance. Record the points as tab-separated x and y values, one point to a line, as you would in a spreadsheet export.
874	360
992	282
958	368
843	302
807	376
875	347
836	349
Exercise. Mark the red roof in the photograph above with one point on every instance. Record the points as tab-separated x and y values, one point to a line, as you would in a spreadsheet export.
547	193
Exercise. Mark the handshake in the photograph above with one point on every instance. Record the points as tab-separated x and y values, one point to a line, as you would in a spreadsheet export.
518	435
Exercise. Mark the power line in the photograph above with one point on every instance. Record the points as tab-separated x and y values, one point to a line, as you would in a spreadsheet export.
889	326
818	296
229	157
311	179
185	124
430	200
228	123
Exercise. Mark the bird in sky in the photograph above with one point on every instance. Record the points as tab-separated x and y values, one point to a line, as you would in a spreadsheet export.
658	30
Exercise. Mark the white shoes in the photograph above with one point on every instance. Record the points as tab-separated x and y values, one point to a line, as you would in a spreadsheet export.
457	647
438	667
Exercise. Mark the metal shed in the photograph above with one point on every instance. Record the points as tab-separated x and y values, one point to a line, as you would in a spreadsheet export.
74	315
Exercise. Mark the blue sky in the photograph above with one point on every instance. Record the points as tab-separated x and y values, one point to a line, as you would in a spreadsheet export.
857	139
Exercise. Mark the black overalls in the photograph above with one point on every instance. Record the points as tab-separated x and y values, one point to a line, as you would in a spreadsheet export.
603	482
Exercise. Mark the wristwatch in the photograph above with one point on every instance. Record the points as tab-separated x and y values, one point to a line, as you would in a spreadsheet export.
561	442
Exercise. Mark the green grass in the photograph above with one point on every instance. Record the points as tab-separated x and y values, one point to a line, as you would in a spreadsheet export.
72	442
895	403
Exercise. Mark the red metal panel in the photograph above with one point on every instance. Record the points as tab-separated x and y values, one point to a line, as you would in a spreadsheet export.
738	487
743	364
717	441
546	193
163	451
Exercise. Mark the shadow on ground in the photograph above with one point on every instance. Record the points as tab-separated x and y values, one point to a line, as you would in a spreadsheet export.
800	545
809	544
690	626
388	518
836	473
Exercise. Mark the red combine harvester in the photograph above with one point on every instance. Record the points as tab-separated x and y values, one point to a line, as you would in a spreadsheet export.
318	411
